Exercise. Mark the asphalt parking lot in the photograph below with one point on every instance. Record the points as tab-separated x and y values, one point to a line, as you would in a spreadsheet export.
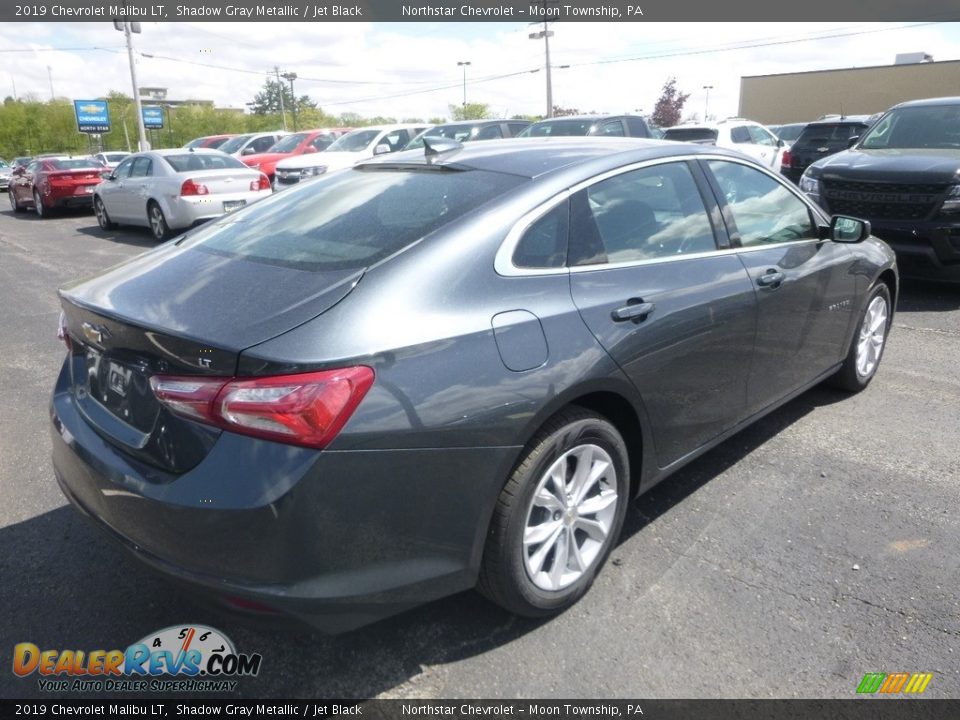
818	545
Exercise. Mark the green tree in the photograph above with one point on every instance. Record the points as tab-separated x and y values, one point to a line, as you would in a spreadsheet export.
469	111
669	108
267	101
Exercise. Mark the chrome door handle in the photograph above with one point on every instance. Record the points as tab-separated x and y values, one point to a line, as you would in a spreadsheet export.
636	311
771	278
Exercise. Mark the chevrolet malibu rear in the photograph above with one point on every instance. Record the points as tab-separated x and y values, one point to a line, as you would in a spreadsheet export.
449	369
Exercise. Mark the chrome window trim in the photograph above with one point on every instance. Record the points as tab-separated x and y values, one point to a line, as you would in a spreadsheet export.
503	261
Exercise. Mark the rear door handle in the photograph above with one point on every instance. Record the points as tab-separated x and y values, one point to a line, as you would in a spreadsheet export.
771	278
635	310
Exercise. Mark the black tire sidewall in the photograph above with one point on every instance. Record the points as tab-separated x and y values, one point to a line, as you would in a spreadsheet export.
862	381
587	431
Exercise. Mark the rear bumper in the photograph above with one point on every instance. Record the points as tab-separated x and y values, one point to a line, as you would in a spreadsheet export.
337	538
183	212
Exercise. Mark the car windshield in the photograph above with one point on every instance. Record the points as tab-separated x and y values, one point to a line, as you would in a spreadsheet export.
830	134
352	219
460	133
192	162
234	144
928	126
355	141
73	164
199	142
288	143
690	134
557	128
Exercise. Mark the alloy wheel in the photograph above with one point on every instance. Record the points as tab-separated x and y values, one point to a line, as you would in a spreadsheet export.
37	203
158	224
570	517
873	333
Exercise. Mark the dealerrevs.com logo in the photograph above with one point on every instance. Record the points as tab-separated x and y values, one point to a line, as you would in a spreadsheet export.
186	658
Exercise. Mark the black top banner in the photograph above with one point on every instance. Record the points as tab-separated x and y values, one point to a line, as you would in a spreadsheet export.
478	10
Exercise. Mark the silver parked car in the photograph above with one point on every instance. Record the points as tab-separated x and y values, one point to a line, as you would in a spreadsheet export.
169	190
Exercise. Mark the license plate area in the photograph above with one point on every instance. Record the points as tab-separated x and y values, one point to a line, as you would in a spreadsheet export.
122	388
231	205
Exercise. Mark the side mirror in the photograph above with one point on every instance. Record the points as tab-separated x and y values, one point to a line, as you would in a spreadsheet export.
852	141
249	151
381	149
309	150
107	175
780	142
849	230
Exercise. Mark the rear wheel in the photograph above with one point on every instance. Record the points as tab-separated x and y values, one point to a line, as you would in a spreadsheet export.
38	205
103	219
869	340
158	222
14	203
558	516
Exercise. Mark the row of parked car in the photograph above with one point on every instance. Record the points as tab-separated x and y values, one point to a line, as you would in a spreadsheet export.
898	169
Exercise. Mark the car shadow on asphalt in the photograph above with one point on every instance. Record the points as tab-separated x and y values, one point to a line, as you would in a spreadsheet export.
65	585
134	236
927	296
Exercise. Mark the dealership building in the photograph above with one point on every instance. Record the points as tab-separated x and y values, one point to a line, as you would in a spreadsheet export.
804	96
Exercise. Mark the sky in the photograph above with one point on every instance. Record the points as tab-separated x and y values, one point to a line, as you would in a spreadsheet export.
409	70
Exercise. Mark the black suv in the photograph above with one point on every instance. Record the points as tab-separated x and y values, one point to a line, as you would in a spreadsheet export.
819	139
903	175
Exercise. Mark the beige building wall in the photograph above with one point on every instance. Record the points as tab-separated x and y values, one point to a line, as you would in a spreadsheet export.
801	97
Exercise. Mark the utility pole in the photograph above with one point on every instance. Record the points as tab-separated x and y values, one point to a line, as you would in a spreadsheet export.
464	66
128	28
291	76
706	103
283	113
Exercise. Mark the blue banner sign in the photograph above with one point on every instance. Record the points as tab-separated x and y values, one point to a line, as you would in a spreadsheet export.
152	118
93	116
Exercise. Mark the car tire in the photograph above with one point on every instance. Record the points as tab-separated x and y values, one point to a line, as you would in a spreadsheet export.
103	219
158	222
14	203
867	343
38	206
578	523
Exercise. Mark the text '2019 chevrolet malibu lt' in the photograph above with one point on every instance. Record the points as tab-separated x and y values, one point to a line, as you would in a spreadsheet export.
450	368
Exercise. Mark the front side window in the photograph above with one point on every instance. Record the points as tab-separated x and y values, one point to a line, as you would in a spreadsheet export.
760	136
123	169
764	210
740	134
490	132
140	167
653	212
612	128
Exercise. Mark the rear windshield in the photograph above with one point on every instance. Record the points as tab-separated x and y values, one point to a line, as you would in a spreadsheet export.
350	219
234	144
690	134
830	134
115	157
191	162
79	164
558	128
930	126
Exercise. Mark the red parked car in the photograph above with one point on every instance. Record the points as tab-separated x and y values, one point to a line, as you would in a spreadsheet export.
209	141
299	143
54	182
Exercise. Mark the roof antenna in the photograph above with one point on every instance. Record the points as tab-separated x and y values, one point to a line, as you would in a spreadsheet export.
437	145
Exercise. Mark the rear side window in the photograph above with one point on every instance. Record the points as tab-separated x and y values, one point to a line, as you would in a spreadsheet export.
350	219
490	132
544	244
192	162
653	212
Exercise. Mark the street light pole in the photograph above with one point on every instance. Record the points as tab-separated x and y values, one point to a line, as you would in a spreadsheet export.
464	66
291	76
546	34
706	103
128	29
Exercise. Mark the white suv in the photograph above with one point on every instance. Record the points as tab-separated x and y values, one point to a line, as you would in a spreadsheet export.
748	137
360	144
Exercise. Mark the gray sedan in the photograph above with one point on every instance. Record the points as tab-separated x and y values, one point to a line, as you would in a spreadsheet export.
171	190
450	368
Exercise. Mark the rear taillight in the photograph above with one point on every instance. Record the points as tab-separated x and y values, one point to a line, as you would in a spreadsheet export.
262	183
190	187
305	409
62	332
786	161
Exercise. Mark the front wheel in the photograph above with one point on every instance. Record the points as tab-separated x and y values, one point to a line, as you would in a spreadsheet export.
158	223
869	340
558	516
